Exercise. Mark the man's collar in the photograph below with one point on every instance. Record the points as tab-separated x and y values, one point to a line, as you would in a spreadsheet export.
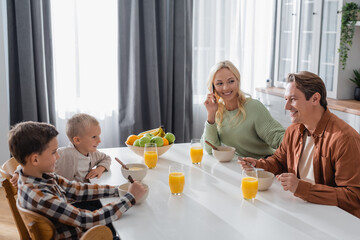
320	127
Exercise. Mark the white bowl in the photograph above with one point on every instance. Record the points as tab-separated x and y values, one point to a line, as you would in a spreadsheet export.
224	153
123	189
265	179
136	170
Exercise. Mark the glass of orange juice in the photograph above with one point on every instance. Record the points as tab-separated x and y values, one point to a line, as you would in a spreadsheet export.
196	151
176	179
249	184
150	155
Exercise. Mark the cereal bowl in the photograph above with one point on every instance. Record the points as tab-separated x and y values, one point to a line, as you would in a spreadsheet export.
224	153
140	150
265	180
123	189
136	170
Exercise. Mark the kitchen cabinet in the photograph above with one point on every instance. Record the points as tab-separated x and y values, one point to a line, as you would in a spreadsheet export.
307	39
276	106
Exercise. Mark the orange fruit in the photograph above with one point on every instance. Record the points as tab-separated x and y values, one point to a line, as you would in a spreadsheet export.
166	142
131	139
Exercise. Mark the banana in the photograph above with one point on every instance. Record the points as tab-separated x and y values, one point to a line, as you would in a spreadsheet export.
140	135
156	132
161	132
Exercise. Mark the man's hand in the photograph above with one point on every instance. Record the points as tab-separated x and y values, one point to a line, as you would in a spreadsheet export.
97	172
246	162
288	181
14	179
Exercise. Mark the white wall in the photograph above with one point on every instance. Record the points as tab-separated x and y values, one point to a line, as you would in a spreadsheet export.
4	100
345	88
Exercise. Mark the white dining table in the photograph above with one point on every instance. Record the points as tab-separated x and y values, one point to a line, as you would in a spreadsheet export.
212	207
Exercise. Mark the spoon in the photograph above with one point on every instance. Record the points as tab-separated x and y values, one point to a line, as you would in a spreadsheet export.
122	164
131	179
249	164
215	148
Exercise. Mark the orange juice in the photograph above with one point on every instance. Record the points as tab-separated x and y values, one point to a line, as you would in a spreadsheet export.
196	154
176	182
150	158
249	186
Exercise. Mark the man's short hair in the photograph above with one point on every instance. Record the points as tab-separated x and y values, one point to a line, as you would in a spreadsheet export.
77	125
26	138
309	83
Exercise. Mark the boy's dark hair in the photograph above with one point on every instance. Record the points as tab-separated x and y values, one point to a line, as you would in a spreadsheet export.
30	137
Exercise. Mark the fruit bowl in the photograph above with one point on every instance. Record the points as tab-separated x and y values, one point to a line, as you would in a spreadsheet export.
140	150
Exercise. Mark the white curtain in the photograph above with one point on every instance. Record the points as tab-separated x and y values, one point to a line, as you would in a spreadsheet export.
85	57
237	30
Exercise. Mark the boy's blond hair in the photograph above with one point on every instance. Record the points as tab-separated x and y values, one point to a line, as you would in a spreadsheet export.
78	124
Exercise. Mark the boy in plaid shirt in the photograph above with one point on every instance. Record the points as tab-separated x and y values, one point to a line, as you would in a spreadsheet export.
34	145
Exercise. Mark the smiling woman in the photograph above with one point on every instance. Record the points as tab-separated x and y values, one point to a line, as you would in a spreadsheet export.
236	120
85	58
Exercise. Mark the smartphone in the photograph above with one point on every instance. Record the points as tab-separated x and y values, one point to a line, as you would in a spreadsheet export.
213	91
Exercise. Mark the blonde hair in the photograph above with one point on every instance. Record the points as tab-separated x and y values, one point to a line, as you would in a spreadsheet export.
77	125
241	98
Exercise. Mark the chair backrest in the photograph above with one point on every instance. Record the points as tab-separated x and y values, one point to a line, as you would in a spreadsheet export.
39	226
98	232
11	193
9	167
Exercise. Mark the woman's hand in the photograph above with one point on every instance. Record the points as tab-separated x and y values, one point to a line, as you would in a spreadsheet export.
211	107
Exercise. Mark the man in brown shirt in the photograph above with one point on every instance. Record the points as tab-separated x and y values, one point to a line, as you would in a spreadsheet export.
325	170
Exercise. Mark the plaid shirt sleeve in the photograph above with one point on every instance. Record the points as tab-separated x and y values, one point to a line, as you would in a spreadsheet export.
78	191
51	200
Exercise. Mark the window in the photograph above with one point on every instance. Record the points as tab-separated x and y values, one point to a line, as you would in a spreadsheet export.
85	62
239	31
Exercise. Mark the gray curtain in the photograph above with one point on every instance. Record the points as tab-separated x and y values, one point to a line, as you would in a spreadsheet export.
155	66
31	83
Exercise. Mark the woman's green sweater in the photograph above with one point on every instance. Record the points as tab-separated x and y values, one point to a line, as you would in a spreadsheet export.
256	136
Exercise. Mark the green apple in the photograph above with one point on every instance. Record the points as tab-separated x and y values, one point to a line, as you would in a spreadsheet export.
170	137
144	140
137	143
149	135
158	140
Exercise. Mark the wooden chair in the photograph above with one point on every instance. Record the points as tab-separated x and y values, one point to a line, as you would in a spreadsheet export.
6	171
98	232
9	167
41	228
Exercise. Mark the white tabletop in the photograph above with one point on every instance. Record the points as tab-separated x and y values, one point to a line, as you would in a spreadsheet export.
212	207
